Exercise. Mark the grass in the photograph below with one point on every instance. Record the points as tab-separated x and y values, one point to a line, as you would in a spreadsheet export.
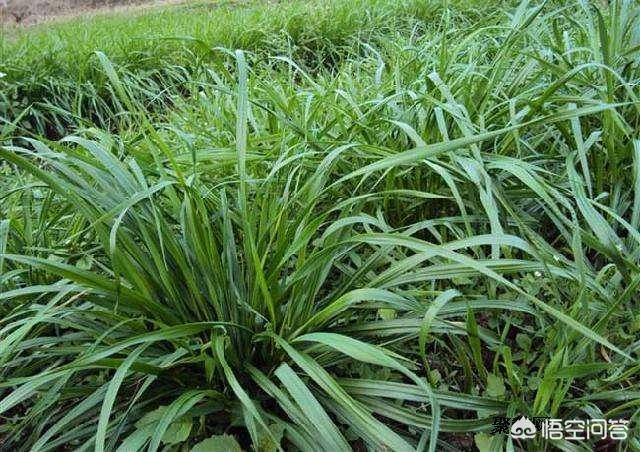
375	230
53	77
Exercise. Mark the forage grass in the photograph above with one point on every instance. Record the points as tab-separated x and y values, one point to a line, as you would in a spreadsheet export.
376	230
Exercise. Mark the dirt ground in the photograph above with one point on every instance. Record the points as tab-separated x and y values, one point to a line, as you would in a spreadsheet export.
27	12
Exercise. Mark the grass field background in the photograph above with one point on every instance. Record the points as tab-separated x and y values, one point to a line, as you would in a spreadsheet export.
367	225
29	12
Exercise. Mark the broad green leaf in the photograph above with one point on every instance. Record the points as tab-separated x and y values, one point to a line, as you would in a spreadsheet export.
495	386
218	443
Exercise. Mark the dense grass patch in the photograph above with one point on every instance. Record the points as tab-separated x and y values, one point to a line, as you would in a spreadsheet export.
373	230
53	82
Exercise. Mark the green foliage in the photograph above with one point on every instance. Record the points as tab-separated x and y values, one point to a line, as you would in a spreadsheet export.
222	443
376	240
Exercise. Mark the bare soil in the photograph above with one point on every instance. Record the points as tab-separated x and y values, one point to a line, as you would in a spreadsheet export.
27	12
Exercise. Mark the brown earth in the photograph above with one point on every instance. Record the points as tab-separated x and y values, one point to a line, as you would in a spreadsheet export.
26	12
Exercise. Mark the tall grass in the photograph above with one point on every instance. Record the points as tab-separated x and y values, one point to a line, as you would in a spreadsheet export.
381	240
54	83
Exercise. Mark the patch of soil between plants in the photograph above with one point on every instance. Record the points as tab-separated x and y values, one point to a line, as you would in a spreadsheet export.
26	12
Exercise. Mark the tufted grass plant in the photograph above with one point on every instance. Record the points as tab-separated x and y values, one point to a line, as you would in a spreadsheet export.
381	244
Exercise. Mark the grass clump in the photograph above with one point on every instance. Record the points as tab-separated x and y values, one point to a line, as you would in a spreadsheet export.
53	81
381	246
